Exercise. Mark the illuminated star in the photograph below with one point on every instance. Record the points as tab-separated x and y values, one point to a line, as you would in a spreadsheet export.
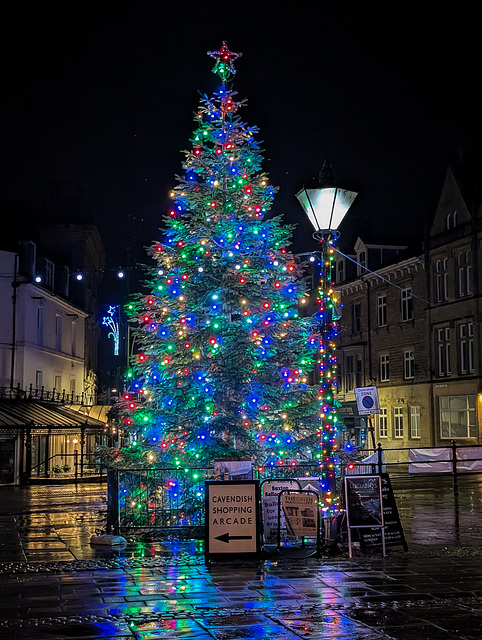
224	61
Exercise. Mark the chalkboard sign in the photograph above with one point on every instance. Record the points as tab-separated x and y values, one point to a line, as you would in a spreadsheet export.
363	501
394	535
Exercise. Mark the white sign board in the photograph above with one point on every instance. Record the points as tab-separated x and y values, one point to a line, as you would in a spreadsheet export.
367	401
232	523
270	492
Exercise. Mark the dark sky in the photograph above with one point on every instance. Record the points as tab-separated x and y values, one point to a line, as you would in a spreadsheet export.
104	93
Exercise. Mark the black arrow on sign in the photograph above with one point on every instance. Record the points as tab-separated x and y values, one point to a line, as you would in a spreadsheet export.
225	537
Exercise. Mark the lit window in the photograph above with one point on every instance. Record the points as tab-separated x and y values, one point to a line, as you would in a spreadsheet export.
415	422
457	417
383	423
398	422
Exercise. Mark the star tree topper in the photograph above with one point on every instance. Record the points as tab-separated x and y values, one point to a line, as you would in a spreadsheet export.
224	61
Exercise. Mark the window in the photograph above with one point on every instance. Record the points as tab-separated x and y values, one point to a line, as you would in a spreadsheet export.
398	422
451	221
443	351
464	271
406	304
353	372
466	347
415	422
457	417
58	382
40	326
408	364
384	367
38	379
49	273
383	423
356	318
340	270
58	332
350	373
441	280
382	311
362	263
73	337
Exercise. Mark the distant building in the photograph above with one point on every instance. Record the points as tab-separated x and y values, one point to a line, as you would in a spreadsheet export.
50	268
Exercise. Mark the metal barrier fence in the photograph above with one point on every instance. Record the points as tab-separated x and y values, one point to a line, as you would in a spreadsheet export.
170	498
69	466
173	498
405	462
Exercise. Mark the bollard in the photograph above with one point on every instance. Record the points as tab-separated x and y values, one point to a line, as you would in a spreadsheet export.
379	458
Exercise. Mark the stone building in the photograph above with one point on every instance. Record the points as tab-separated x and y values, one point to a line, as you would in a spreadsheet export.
411	327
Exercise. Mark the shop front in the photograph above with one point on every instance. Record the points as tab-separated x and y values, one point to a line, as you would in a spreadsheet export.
40	440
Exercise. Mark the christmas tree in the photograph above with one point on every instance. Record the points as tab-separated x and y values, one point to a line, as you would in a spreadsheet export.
223	358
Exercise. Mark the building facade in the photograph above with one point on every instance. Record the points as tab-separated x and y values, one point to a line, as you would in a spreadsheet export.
411	327
49	329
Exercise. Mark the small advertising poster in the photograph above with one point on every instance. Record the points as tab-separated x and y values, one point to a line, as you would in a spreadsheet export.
364	501
394	534
367	401
270	491
233	469
301	513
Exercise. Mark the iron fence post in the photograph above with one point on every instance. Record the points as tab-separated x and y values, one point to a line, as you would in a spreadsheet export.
454	468
380	458
112	525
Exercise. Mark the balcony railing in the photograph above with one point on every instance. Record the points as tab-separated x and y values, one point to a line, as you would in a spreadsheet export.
46	395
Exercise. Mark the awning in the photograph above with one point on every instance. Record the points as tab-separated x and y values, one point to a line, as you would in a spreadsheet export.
18	414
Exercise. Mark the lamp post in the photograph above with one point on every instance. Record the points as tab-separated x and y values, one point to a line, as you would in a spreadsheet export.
326	206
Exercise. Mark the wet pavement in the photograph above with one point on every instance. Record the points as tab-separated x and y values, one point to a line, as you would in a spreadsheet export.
54	584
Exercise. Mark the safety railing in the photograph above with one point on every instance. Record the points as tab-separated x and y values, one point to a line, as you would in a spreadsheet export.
409	462
71	466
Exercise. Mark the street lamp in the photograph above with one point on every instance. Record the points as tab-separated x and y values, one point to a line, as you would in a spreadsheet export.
326	206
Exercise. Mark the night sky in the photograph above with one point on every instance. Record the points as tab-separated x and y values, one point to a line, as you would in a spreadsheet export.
105	93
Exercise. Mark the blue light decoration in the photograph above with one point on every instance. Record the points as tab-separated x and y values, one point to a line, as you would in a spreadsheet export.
112	322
